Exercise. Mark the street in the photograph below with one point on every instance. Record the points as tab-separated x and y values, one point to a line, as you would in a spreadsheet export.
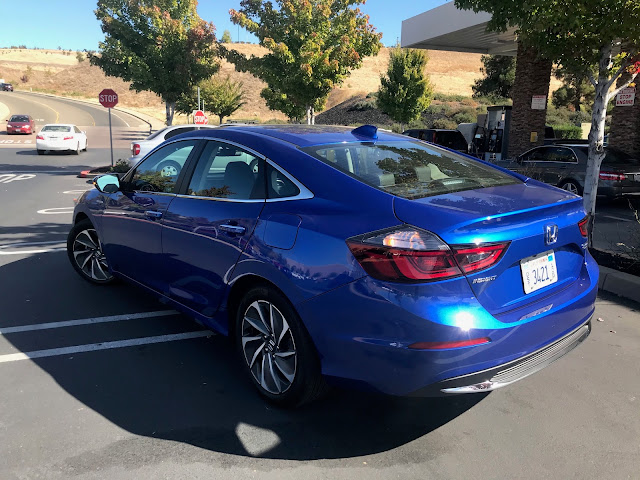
107	382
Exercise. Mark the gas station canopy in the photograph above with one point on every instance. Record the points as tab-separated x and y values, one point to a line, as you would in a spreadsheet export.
447	28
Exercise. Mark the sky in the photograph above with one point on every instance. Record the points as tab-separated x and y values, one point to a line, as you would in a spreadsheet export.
72	25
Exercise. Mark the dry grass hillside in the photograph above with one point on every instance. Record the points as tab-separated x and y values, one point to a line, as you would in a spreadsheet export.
59	72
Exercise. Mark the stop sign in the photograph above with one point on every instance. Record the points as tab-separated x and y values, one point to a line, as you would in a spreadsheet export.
199	118
108	98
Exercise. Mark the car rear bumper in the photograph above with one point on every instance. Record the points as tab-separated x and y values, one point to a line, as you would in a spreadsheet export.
19	130
57	146
363	332
505	374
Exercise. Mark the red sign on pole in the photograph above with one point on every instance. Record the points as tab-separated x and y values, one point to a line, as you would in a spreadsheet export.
199	118
108	98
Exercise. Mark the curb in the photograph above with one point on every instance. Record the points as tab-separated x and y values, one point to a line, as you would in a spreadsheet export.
154	123
621	284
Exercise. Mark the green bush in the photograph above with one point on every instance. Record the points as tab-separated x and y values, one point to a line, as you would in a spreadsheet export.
558	116
577	118
121	166
363	106
445	123
446	97
465	115
567	131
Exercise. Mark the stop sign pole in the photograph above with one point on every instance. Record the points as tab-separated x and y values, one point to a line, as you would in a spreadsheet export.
109	99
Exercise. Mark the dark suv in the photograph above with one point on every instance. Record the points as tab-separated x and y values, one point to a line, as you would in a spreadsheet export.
7	87
452	139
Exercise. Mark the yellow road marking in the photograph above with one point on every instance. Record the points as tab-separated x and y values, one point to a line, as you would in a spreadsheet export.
50	108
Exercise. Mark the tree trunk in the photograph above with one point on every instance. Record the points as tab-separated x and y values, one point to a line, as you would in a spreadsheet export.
596	137
308	115
170	110
221	118
313	116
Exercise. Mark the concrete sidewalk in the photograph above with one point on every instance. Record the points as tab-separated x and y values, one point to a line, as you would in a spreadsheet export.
622	284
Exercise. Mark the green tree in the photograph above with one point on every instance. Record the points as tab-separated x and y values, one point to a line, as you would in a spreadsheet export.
576	90
157	45
221	97
499	76
405	91
79	57
587	41
226	37
313	45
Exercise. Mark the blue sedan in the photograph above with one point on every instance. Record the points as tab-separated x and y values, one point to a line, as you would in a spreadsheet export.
344	256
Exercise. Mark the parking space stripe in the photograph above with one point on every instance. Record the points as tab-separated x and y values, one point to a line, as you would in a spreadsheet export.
618	218
94	347
85	321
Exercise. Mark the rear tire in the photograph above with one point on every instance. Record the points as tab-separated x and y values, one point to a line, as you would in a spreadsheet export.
571	186
40	152
275	349
77	150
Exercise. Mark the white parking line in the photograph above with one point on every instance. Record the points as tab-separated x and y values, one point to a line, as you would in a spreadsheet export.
85	321
55	211
618	218
74	192
4	248
94	347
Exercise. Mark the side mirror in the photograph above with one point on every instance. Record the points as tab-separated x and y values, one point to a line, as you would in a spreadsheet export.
84	132
107	183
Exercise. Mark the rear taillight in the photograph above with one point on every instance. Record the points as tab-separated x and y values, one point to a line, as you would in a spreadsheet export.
478	257
615	176
408	254
583	226
135	149
68	138
39	137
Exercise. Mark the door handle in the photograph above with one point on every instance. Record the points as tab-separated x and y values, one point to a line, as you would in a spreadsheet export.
153	214
238	230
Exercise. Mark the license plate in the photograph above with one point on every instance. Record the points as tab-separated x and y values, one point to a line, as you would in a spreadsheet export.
539	271
636	177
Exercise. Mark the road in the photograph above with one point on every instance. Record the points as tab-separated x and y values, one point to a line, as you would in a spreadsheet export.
119	386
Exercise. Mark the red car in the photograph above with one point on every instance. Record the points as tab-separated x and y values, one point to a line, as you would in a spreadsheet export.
21	124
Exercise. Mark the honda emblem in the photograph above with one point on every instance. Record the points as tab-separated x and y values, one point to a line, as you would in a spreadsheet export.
550	234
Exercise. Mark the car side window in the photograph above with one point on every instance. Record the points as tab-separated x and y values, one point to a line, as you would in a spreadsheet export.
159	171
178	131
227	171
76	129
536	155
279	186
561	155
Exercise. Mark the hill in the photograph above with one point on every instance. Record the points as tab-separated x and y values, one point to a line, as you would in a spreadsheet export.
59	72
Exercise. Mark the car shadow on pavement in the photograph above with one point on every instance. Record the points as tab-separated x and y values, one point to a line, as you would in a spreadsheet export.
193	391
38	232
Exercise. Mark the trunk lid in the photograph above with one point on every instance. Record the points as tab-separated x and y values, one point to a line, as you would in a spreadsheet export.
517	214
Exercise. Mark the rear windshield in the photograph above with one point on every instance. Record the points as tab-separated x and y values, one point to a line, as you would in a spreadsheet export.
56	128
613	156
155	134
19	118
410	169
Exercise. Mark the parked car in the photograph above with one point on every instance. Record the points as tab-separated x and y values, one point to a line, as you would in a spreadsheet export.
60	137
140	148
6	87
20	124
354	257
565	166
452	139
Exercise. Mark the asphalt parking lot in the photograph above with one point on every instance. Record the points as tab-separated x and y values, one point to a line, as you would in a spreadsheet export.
106	382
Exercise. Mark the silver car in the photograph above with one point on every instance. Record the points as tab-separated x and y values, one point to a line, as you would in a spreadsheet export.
139	148
565	166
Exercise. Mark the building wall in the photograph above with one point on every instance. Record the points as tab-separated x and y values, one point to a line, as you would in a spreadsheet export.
532	78
625	128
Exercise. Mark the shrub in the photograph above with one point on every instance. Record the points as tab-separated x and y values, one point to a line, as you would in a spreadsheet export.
567	131
363	106
465	115
121	166
445	123
447	97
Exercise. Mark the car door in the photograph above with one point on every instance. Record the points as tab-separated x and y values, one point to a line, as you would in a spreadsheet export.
207	227
561	162
132	217
532	163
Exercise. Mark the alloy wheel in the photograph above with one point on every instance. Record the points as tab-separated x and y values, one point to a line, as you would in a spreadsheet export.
570	187
268	347
88	255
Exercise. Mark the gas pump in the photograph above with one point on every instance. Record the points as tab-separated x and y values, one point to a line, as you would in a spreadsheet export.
497	137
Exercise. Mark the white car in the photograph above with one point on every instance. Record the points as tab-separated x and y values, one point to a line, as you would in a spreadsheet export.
58	137
140	148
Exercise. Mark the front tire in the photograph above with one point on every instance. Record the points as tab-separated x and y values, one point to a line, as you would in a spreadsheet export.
85	253
276	350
